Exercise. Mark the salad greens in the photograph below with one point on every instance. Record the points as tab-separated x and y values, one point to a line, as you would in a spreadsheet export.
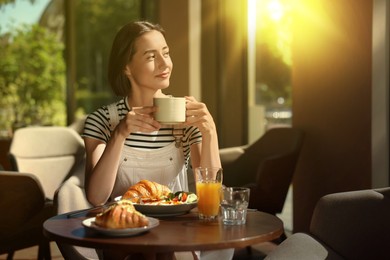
182	196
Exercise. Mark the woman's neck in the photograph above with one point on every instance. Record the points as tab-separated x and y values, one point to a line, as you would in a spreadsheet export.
138	99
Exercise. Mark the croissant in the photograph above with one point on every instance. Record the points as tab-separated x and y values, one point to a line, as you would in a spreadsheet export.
145	189
121	215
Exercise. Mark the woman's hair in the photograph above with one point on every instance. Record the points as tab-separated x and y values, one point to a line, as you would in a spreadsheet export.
122	52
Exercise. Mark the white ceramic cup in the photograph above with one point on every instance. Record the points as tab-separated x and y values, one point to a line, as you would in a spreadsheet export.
170	110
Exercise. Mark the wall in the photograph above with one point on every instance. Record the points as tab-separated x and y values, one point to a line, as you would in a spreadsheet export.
332	101
380	94
224	68
175	24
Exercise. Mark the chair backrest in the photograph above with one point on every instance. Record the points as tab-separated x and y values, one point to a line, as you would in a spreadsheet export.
275	174
71	195
49	152
356	224
267	166
21	198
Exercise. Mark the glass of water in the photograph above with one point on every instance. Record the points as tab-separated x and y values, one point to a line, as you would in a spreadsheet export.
234	205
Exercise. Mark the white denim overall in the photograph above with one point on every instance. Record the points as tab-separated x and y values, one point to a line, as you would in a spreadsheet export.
165	165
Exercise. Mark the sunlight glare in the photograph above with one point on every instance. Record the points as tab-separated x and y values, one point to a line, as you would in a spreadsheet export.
251	49
251	15
275	9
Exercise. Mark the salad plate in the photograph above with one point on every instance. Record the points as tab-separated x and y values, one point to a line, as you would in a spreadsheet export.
175	204
165	210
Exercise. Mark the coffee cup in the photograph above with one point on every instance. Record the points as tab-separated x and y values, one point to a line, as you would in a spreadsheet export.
170	110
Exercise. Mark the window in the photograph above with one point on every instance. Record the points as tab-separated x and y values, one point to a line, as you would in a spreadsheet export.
34	79
269	65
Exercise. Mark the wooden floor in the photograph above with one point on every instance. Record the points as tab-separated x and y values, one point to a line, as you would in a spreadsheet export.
258	252
32	253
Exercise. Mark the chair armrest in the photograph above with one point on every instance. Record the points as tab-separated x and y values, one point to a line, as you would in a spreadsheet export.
230	154
71	196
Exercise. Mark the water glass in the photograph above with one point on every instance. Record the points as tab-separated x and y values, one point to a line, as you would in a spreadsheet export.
208	182
234	205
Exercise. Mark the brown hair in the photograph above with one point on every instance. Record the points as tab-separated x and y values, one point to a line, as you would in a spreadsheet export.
122	52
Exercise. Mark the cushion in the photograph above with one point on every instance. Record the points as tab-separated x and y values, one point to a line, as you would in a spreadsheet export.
301	246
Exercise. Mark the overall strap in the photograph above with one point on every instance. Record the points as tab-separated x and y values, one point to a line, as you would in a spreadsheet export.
178	134
114	118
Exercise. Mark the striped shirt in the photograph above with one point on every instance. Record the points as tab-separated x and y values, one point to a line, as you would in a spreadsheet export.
97	126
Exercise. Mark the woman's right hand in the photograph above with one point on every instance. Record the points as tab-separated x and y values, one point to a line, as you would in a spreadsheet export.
139	119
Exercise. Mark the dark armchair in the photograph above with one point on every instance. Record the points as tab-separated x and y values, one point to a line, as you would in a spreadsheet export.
23	208
267	166
344	225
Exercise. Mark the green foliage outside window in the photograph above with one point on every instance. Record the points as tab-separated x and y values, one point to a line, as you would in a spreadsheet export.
4	2
97	22
32	79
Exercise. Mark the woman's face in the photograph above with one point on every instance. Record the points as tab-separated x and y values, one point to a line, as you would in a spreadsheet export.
151	65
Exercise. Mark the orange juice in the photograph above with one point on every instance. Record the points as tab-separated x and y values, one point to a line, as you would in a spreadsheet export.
209	196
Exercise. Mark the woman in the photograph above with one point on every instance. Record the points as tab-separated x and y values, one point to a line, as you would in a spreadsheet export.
123	142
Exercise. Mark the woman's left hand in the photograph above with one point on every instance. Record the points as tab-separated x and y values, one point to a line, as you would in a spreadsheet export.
198	115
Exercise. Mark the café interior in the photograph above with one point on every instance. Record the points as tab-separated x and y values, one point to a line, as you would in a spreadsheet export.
334	95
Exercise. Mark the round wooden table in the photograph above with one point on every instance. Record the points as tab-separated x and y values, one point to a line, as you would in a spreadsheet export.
173	234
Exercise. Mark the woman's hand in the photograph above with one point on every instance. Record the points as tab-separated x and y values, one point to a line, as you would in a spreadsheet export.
205	153
139	119
198	115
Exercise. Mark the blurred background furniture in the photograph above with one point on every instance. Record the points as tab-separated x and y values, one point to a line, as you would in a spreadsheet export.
78	124
345	225
56	156
267	166
51	153
23	211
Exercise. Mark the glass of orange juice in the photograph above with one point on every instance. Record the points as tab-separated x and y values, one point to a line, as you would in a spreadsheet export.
208	189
